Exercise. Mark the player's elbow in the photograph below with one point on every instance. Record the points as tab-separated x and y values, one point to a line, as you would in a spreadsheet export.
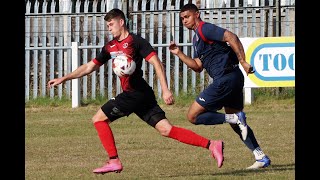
197	69
230	38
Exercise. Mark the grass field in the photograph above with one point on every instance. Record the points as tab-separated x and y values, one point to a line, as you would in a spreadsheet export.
61	143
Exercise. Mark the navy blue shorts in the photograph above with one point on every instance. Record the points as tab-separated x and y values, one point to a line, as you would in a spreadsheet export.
226	91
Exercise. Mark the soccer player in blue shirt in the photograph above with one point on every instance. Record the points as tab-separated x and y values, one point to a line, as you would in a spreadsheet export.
219	52
137	95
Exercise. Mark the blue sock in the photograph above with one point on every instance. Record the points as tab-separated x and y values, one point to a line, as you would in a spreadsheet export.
251	141
210	118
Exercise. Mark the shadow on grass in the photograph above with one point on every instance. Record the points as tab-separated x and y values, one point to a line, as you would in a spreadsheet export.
244	172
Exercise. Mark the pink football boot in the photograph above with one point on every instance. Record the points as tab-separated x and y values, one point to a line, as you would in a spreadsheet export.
113	165
216	148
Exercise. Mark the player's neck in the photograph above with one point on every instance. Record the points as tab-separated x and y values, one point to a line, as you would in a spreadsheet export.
124	34
196	24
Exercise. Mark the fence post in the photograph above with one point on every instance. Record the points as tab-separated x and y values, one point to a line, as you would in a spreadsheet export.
248	95
75	82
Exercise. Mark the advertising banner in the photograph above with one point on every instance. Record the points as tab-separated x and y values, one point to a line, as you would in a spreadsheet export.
273	59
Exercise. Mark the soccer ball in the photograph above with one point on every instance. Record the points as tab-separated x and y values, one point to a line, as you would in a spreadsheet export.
123	66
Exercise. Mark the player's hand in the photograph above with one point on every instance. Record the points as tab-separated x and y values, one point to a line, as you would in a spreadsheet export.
174	49
54	82
250	71
123	74
248	68
168	97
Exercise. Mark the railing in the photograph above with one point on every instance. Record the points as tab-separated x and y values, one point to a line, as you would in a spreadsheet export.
51	28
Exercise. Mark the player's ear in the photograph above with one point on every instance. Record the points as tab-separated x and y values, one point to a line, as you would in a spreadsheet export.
197	14
121	21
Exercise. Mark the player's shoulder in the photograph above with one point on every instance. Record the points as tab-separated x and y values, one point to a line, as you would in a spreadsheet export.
208	28
208	25
111	43
204	27
136	36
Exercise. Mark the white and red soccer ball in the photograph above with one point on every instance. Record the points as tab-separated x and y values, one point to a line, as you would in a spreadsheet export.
123	66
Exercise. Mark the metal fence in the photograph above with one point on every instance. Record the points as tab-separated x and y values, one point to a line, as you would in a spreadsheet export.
51	27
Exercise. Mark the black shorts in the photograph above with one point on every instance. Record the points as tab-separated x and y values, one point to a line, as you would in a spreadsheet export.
143	104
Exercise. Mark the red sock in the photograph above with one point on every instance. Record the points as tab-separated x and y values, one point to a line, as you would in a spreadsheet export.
188	137
106	137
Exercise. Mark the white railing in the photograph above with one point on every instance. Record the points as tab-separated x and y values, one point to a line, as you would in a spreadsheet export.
50	32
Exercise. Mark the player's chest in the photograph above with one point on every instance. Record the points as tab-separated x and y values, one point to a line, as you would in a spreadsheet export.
200	47
116	48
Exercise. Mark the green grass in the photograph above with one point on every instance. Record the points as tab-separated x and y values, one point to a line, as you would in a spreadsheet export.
61	143
184	99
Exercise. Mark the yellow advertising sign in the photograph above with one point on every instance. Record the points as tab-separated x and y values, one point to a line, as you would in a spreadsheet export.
273	59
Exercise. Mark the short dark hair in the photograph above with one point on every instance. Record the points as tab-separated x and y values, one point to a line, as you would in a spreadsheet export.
115	13
189	7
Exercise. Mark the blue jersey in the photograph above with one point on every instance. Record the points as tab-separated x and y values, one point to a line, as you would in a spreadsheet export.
216	56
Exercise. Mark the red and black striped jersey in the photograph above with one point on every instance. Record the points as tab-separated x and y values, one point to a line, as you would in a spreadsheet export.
135	47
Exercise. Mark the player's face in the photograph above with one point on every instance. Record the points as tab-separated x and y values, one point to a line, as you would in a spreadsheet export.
188	19
115	27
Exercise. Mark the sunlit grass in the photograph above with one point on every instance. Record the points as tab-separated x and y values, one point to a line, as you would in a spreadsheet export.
62	143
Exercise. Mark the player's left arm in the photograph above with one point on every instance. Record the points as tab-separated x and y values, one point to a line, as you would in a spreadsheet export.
149	54
237	47
158	66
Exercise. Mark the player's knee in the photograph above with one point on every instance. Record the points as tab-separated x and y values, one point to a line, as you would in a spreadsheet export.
94	119
164	128
97	118
164	131
191	118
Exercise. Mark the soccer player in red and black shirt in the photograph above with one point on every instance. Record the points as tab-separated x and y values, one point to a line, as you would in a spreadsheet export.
137	96
219	52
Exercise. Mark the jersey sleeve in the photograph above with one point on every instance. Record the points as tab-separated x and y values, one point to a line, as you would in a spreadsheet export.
145	48
102	57
213	32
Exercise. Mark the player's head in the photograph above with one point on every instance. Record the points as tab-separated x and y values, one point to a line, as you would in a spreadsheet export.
116	21
189	14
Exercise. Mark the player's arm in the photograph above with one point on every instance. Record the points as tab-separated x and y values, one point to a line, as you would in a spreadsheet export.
235	44
148	53
158	66
79	72
237	47
194	64
84	69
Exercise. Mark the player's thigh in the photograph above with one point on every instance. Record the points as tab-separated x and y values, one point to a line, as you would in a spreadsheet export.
121	105
235	82
149	110
213	97
234	103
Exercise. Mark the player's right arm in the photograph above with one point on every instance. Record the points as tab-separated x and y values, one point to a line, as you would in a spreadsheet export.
194	64
79	72
84	69
237	47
